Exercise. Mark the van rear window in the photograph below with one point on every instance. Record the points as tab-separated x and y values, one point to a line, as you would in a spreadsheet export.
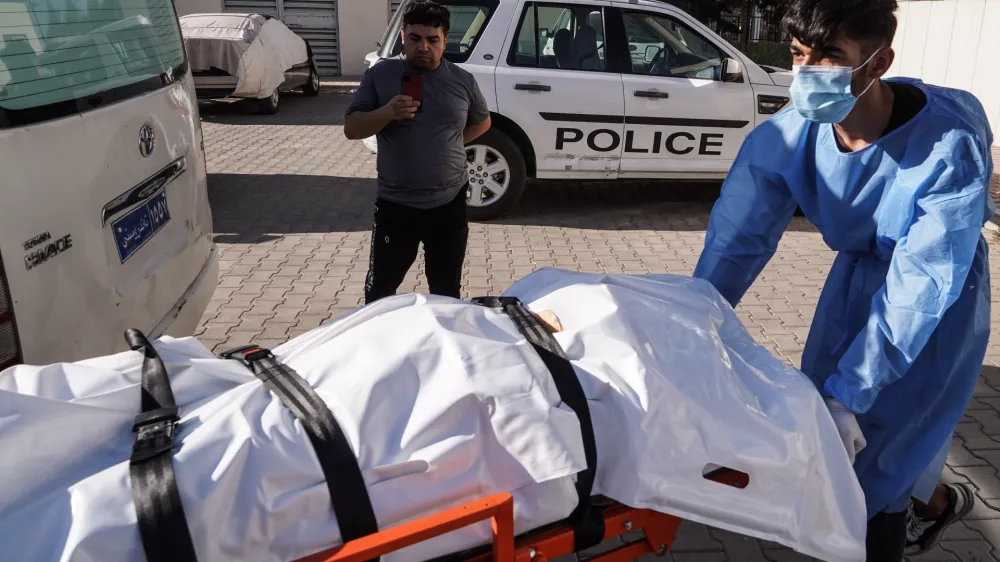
60	57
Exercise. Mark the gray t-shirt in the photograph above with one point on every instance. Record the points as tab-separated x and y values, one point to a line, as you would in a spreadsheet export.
421	161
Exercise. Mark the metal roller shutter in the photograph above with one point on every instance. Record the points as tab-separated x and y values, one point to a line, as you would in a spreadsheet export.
316	22
265	7
313	20
393	6
325	49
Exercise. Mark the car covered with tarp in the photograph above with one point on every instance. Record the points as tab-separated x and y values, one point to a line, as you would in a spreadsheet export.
251	56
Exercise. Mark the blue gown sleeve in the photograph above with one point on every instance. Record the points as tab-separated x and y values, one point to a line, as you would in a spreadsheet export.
927	273
747	222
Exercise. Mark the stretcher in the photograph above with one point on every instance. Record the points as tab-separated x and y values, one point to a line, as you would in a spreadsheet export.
643	532
615	418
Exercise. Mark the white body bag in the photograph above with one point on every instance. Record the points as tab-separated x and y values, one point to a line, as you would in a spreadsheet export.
443	402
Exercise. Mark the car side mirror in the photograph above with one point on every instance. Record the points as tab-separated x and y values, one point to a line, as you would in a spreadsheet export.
651	51
732	71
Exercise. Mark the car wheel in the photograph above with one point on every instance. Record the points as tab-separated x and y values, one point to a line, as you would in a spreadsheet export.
269	104
311	88
496	175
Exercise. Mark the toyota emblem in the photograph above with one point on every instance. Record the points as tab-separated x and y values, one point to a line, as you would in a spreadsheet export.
147	140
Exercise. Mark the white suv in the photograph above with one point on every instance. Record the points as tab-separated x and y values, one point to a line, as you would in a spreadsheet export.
598	89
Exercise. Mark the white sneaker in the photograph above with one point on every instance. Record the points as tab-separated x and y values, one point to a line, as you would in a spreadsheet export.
923	534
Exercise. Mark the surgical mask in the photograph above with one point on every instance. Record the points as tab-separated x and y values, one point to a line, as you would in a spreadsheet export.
823	93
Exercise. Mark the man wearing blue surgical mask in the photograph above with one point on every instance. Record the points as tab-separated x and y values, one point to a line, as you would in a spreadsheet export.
895	175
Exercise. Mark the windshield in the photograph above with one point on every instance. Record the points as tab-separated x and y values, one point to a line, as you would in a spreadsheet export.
60	57
468	22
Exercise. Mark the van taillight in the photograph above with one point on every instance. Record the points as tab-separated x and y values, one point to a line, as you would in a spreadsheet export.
10	346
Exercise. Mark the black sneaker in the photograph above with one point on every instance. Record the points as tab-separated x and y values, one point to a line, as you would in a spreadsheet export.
923	534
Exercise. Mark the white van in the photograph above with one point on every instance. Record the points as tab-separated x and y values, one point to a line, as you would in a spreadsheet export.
104	215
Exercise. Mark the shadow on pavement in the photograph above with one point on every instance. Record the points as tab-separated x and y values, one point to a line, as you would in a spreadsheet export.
621	205
614	205
295	109
249	208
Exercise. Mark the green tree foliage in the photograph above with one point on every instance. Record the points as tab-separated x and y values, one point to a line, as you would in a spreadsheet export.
714	10
730	17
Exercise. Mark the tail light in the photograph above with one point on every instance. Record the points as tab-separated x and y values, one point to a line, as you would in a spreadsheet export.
10	346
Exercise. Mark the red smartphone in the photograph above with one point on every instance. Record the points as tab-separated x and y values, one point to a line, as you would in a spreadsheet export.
413	86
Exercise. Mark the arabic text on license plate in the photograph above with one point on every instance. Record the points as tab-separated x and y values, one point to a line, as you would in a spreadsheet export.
136	228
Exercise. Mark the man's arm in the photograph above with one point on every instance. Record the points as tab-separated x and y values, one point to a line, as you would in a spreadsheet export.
479	115
473	132
927	274
365	118
746	225
363	124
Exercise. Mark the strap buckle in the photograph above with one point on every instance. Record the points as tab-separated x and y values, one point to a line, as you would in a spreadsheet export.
154	433
248	355
497	302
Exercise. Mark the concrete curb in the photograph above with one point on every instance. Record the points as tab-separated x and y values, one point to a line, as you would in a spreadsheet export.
340	85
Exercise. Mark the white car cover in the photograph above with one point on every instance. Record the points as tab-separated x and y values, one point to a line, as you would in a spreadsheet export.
257	50
445	402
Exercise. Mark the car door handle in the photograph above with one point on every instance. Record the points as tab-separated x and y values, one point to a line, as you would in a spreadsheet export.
533	87
651	94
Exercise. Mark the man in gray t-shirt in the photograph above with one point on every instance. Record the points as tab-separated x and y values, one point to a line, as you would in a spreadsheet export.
422	168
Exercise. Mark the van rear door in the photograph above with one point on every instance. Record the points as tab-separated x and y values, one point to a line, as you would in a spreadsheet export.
103	170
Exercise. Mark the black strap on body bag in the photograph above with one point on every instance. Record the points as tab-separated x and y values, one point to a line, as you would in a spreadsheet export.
162	525
586	519
344	481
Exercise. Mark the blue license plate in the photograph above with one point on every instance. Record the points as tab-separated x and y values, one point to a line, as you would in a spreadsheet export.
142	223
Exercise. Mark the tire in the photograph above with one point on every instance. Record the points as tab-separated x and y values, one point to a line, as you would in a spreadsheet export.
270	104
311	88
497	175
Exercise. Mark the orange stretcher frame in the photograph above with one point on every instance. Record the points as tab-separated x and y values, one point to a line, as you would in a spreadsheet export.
659	531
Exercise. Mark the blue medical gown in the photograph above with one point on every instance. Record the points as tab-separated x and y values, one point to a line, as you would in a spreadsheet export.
902	325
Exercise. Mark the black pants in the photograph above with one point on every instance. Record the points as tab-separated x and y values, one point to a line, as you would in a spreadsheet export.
886	537
398	231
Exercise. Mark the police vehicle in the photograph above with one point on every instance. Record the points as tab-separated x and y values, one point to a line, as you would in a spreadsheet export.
598	89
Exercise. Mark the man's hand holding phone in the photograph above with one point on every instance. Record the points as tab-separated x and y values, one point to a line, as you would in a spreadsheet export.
401	107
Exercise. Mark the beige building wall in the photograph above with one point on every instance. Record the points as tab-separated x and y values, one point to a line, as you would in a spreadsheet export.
952	43
362	23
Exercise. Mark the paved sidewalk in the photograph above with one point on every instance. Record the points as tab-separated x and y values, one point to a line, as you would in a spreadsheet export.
292	201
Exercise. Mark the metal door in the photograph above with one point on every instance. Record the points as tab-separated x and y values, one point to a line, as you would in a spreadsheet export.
313	20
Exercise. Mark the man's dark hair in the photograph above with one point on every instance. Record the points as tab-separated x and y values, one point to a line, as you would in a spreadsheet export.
819	23
424	12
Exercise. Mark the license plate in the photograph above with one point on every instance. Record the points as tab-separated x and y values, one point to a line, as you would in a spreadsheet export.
142	223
